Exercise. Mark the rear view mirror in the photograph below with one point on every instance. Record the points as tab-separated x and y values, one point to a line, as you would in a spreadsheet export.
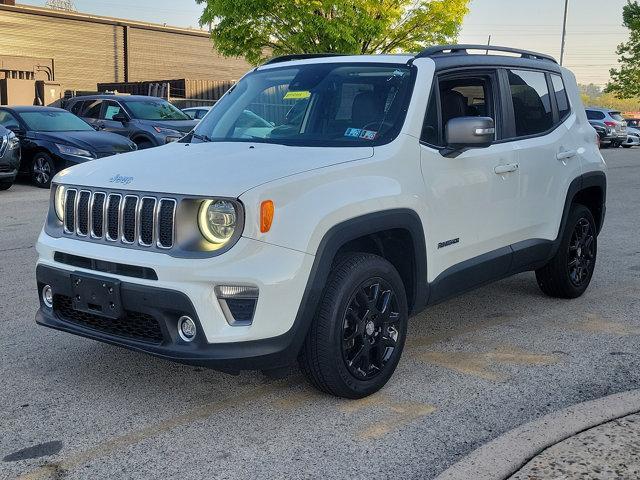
462	133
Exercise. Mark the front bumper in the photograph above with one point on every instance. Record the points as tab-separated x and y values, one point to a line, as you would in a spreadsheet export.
11	174
186	287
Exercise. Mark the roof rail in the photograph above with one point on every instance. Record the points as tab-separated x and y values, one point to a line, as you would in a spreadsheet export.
300	56
462	49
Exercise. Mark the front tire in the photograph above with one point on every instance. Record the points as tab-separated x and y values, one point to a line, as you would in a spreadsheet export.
42	170
5	184
357	336
569	272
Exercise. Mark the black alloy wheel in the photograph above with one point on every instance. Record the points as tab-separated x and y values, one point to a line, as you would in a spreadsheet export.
356	338
581	254
370	329
569	272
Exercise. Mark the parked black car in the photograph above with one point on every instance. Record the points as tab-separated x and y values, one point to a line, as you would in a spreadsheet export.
148	121
9	158
52	139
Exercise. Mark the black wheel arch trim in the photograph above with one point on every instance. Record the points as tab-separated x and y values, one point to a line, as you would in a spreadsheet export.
341	234
584	181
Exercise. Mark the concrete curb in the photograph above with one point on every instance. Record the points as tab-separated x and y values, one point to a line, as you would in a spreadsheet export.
505	455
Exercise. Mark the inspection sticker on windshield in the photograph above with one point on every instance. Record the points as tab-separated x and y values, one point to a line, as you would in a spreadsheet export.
297	95
360	133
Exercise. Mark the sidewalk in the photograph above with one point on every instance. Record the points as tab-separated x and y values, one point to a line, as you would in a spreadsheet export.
609	451
595	440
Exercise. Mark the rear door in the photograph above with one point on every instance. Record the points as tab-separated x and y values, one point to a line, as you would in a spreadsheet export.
547	150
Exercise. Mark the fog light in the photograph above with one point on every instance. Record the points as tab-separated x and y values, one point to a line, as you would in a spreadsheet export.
187	328
47	296
238	303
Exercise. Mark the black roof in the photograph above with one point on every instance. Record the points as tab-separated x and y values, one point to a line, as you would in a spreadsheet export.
31	108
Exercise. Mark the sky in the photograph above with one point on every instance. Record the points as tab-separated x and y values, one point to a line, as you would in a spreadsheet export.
594	27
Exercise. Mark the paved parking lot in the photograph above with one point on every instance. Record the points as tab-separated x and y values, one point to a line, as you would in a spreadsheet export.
474	367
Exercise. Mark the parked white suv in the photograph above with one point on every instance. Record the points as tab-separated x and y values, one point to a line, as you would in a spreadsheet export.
321	202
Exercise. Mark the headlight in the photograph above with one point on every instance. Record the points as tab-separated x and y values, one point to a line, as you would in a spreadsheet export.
167	131
73	151
14	142
59	202
217	220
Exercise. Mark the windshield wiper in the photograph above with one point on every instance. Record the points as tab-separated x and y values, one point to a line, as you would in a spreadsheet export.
204	138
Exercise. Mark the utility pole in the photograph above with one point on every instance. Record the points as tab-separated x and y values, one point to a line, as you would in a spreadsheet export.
488	44
564	30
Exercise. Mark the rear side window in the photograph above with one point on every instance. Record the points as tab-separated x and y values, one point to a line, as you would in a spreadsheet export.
561	96
595	115
531	102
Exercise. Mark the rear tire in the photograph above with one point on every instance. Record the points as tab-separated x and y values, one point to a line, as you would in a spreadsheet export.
356	339
569	272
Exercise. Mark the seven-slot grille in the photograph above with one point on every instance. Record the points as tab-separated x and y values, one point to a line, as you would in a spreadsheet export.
128	219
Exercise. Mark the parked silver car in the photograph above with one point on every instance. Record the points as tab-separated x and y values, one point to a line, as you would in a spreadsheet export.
609	118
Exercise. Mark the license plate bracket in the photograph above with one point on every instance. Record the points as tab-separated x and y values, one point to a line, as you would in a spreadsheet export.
96	295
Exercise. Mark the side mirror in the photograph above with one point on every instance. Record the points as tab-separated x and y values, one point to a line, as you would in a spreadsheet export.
462	133
120	117
15	129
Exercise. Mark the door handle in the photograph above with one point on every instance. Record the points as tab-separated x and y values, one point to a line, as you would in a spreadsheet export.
502	169
566	154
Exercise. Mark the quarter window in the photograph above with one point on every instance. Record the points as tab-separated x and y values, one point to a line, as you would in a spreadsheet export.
561	96
531	102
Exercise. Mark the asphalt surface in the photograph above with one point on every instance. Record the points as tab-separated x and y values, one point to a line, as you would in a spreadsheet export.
474	367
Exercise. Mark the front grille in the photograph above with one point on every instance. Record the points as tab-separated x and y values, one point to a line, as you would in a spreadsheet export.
130	219
97	215
135	325
113	217
83	213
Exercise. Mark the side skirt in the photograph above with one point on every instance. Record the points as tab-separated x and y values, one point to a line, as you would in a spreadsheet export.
489	267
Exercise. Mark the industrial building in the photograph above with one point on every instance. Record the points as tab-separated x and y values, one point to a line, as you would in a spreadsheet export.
67	51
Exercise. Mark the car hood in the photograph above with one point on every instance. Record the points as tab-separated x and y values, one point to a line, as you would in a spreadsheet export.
184	126
88	140
225	169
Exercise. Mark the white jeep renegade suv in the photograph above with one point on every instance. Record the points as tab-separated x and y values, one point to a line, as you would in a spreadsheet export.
321	202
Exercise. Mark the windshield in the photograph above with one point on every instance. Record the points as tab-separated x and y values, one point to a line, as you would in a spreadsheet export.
155	109
313	105
54	121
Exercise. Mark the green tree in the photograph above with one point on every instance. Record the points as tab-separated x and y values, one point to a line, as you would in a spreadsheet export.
625	81
258	29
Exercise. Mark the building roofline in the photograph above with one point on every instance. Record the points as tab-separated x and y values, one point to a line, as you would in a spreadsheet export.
84	17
